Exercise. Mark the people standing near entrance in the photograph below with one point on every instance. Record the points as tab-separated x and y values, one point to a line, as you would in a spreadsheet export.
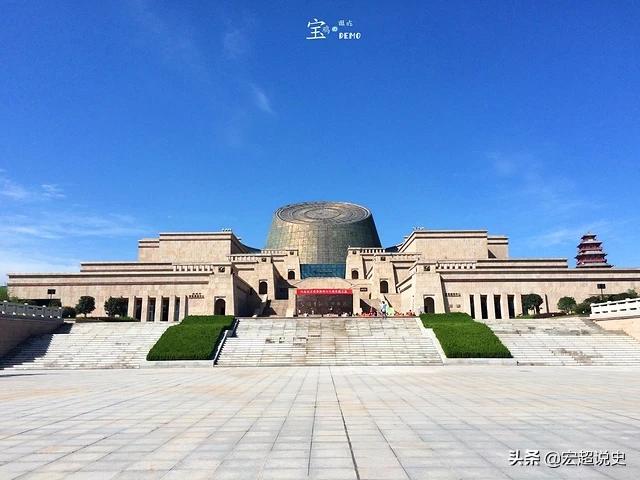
383	309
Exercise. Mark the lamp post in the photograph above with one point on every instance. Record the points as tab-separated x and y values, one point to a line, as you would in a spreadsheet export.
601	287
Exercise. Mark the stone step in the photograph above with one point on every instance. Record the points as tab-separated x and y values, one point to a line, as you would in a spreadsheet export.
570	341
329	341
88	346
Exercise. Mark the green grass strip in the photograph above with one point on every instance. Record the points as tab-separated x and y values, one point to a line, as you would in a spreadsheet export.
195	338
462	337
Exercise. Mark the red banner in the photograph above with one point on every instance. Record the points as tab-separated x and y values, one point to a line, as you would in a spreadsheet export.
324	291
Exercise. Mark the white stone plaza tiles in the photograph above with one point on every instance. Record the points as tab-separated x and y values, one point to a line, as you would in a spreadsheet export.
457	422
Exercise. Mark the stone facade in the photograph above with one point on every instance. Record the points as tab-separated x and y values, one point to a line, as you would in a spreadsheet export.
431	270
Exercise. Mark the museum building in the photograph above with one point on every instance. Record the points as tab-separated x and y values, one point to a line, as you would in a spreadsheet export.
325	258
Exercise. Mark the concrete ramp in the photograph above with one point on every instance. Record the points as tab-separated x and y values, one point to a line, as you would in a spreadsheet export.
329	341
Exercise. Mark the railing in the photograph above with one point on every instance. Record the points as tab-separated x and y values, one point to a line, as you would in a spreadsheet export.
231	332
244	257
199	267
274	251
367	250
29	311
455	265
620	308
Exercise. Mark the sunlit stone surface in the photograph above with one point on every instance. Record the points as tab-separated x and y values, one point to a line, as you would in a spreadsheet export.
316	422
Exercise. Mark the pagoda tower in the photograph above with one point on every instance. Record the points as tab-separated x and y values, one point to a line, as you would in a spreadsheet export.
590	253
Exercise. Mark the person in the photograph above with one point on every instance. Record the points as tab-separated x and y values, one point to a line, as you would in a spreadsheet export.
391	311
383	309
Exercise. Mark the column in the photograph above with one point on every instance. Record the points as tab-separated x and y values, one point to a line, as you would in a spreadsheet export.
131	308
172	308
183	303
517	302
145	308
477	306
158	313
491	307
504	306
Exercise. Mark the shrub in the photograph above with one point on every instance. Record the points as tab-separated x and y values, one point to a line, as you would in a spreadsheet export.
116	306
567	304
461	337
105	319
68	312
583	308
86	305
195	338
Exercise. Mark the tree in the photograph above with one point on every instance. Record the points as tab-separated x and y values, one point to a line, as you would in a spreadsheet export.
116	306
567	304
532	301
86	305
4	295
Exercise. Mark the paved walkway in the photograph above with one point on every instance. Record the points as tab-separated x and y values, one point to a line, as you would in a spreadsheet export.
321	422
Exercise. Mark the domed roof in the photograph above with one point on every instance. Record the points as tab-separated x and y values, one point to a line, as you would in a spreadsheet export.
323	212
322	231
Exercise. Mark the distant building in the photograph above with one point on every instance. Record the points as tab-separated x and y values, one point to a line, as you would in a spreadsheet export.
590	253
326	258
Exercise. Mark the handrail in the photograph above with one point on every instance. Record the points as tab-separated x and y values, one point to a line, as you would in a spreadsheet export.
225	334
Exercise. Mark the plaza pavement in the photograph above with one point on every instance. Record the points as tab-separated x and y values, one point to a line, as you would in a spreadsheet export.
320	422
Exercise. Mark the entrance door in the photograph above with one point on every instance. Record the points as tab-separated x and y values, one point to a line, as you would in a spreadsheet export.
429	305
219	307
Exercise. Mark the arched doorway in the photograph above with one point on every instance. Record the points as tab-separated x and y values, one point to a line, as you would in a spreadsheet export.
263	288
219	307
354	275
291	275
384	286
429	305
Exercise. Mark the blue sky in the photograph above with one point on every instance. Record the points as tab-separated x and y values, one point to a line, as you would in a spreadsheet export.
122	119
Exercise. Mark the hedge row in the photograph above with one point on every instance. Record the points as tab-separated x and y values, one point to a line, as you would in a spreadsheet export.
195	338
461	337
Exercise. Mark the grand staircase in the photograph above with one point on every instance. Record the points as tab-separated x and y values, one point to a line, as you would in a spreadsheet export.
87	345
329	341
565	341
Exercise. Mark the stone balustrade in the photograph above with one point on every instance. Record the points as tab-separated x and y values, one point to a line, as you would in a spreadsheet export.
629	307
10	309
455	265
199	267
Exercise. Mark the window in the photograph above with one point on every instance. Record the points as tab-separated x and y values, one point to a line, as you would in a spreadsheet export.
291	275
355	275
263	288
384	286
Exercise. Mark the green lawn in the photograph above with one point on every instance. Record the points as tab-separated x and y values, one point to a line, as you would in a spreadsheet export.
462	337
195	338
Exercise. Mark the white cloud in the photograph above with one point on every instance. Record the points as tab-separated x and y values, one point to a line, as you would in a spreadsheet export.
12	261
65	224
50	190
16	191
569	235
540	186
261	99
12	190
235	43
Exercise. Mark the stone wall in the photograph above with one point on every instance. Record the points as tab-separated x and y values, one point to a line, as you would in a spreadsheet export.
15	331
